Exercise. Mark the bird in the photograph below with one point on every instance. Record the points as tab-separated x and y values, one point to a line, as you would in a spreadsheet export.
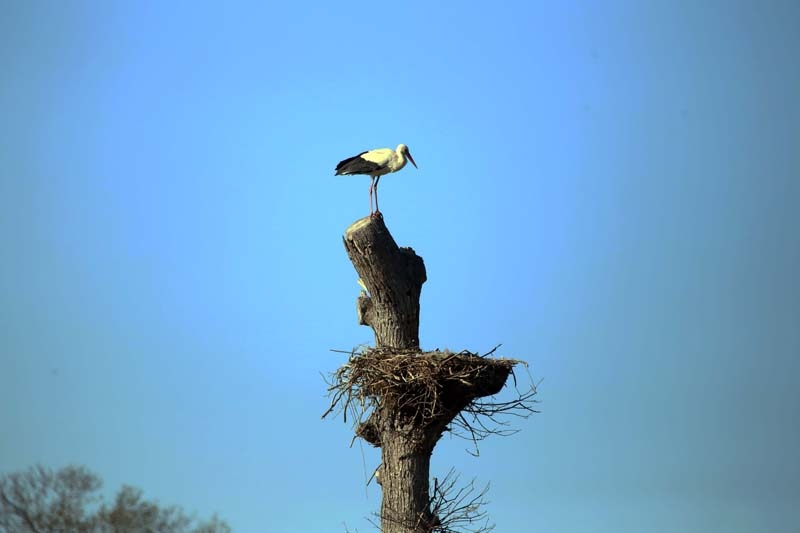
375	163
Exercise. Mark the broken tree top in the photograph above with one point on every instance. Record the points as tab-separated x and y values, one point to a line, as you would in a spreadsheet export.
393	276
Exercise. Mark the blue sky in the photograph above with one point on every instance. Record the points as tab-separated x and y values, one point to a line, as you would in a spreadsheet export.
610	190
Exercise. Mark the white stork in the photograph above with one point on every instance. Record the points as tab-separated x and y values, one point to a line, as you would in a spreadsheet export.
375	163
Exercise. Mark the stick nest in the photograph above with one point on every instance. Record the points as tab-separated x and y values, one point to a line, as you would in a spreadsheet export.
417	388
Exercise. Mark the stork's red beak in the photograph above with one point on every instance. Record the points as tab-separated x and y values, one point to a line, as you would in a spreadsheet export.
411	159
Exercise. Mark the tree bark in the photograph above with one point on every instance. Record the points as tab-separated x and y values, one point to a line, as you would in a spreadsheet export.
393	276
405	480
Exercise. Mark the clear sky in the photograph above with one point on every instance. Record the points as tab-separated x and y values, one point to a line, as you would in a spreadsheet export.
608	189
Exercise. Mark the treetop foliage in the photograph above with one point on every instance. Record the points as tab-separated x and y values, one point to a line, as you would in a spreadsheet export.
40	500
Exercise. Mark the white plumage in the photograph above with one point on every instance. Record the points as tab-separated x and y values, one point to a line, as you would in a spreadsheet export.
375	163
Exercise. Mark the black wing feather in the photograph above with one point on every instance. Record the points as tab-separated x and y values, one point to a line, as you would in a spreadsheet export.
356	165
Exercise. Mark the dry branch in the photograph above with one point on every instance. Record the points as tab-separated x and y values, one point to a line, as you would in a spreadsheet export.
459	509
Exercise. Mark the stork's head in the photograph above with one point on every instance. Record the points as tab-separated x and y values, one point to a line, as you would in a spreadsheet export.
403	149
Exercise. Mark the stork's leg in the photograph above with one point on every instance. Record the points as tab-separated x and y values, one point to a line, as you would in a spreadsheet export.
377	209
371	185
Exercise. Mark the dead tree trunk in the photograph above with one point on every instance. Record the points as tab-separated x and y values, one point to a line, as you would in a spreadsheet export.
415	395
394	277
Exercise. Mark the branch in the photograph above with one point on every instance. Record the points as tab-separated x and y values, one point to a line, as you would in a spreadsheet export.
20	511
458	509
482	418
